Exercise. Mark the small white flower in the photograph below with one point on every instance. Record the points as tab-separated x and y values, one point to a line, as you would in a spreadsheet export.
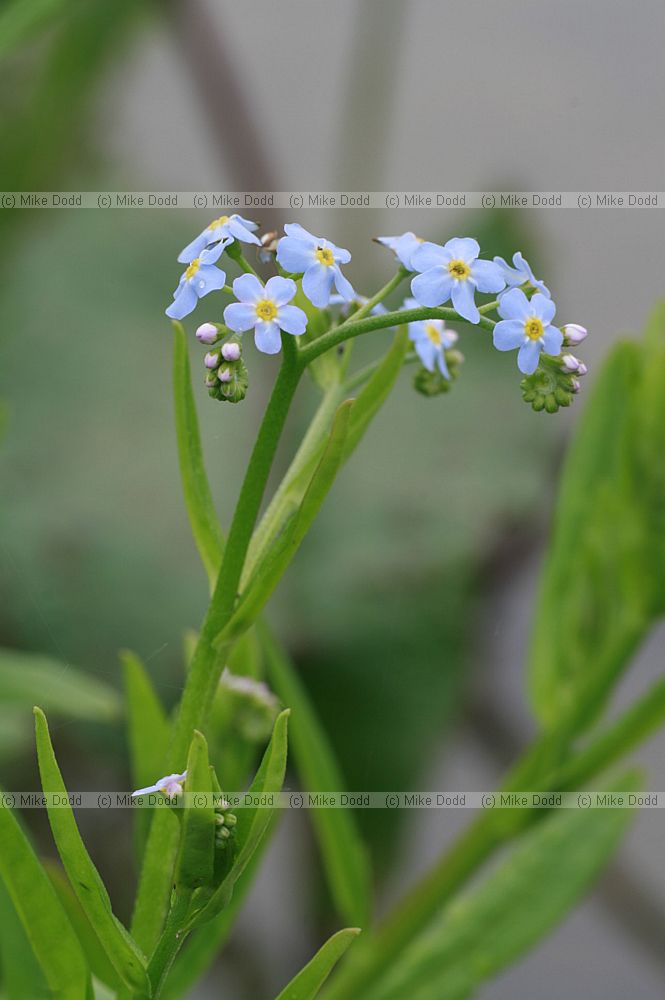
170	786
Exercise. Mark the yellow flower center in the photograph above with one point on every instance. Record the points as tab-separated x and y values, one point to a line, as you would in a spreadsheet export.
221	221
266	310
459	270
533	328
325	256
433	334
192	269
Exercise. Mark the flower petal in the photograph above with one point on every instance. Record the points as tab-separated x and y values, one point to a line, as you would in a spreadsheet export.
300	233
552	340
429	255
208	279
432	287
193	249
240	316
508	334
443	367
543	307
514	304
465	249
292	319
236	227
184	302
248	288
488	276
464	302
212	254
528	355
317	284
342	284
268	338
341	255
280	290
295	255
427	352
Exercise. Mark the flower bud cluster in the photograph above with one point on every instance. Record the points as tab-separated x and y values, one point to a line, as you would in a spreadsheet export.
433	383
226	375
225	822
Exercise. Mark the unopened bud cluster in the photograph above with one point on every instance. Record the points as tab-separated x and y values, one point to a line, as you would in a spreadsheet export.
226	376
433	383
225	822
556	380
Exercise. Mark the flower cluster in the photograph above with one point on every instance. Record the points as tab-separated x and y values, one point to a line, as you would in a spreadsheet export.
445	278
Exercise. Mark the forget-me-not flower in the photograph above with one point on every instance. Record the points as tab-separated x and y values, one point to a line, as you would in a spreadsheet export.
171	786
318	261
224	230
197	280
520	273
527	324
402	246
266	309
454	272
431	340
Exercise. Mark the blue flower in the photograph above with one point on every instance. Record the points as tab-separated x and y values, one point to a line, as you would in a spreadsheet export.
197	280
265	309
402	246
431	340
226	229
526	325
318	261
520	273
454	272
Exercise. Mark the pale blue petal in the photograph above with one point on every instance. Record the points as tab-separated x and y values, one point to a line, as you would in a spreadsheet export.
427	352
429	255
402	246
342	284
294	255
341	255
184	302
552	340
443	367
463	300
317	284
247	223
432	287
193	249
248	288
510	275
208	279
212	254
543	307
487	276
240	316
465	249
508	334
280	290
295	230
236	228
268	338
514	304
528	355
292	319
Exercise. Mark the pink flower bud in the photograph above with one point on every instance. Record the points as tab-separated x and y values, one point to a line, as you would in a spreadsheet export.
207	333
574	334
211	359
224	375
231	352
570	363
576	385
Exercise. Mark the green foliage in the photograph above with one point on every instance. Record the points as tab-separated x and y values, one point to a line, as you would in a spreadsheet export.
194	867
513	907
343	853
602	586
63	689
85	880
310	979
45	922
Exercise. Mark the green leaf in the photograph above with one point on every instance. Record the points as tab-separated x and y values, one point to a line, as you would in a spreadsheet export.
62	688
198	498
267	576
21	975
90	891
310	979
344	857
50	933
519	902
253	822
148	726
194	867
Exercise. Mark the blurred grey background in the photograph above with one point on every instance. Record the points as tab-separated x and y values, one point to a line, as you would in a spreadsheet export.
445	538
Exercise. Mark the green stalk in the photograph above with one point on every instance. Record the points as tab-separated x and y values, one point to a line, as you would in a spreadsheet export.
170	943
382	294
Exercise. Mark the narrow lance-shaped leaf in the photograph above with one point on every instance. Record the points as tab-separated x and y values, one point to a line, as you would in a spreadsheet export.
122	951
310	979
196	855
50	933
344	856
22	975
253	822
519	902
62	688
198	498
148	727
267	576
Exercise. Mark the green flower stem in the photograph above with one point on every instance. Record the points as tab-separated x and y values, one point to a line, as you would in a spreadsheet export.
235	253
383	293
356	328
488	307
170	943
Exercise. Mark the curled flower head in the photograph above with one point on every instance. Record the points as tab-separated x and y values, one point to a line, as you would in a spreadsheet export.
224	230
431	340
266	310
318	260
454	272
520	274
402	246
199	278
526	326
170	786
